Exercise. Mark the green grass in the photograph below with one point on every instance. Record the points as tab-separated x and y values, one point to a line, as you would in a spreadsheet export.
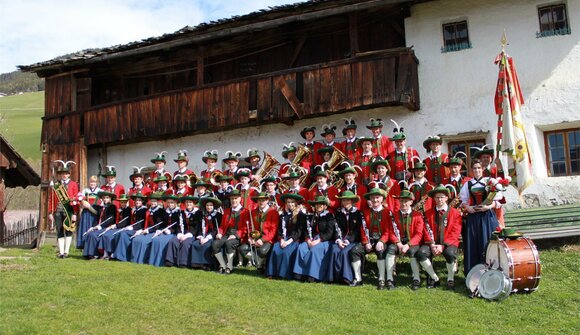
21	123
45	295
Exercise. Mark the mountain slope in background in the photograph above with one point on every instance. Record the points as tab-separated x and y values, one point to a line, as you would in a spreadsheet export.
16	82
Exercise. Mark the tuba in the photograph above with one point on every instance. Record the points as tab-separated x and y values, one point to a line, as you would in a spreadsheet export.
338	157
302	152
267	167
63	198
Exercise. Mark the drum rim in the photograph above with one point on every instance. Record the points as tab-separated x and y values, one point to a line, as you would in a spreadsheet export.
479	268
505	290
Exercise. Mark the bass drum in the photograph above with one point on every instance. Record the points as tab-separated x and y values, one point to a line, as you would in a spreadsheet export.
495	285
474	276
518	259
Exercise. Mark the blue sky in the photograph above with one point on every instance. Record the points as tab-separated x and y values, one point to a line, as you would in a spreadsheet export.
38	30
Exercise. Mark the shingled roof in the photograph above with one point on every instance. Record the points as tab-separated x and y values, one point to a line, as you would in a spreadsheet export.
215	29
18	173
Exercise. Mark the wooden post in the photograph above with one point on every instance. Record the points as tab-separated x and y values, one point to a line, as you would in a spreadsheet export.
353	34
200	70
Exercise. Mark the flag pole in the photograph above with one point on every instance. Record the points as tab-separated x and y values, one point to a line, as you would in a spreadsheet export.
498	148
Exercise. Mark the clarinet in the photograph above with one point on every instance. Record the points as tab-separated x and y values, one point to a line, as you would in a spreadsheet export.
338	230
203	226
395	228
366	229
284	227
309	228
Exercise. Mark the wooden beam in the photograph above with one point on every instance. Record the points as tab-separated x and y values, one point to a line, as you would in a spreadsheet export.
290	97
353	34
297	51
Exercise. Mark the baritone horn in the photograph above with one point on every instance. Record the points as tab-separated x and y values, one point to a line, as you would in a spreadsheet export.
214	175
267	167
302	152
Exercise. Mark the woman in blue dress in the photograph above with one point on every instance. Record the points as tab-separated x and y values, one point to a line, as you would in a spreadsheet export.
347	235
178	250
87	217
107	241
291	231
139	216
106	216
173	225
313	259
481	220
207	222
141	244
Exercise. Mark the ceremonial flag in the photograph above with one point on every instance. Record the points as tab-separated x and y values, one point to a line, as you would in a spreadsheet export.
511	134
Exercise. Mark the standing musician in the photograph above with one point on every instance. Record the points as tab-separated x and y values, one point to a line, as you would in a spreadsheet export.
349	175
232	160
107	214
402	158
136	179
322	189
405	239
380	168
207	220
139	217
382	146
62	214
349	145
254	159
159	161
111	185
243	176
269	187
291	231
435	162
140	247
347	235
179	247
365	159
203	188
289	153
172	226
312	262
442	231
210	159
378	222
308	134
107	241
293	180
182	161
162	183
492	171
262	232
231	231
87	220
420	187
455	178
224	190
328	141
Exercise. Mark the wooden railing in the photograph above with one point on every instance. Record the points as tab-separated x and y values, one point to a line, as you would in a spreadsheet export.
375	79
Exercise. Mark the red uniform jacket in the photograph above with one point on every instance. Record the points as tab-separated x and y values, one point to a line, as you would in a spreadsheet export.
400	162
451	230
145	190
377	223
331	192
283	169
151	177
72	189
350	149
364	162
118	189
383	146
235	223
207	174
318	157
308	162
394	190
436	171
266	223
414	230
187	172
247	201
420	192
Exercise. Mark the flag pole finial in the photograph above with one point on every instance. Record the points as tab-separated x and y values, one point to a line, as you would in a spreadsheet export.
503	41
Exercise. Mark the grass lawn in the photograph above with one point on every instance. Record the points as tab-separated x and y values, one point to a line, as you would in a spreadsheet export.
44	295
22	125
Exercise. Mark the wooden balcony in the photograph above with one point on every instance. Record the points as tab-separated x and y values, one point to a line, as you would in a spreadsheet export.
382	78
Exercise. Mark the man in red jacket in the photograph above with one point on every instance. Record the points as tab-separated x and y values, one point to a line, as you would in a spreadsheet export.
349	146
435	162
382	146
322	188
405	239
442	231
63	215
111	184
262	232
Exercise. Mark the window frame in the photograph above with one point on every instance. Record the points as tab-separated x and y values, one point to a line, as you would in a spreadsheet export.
455	46
566	145
469	142
553	31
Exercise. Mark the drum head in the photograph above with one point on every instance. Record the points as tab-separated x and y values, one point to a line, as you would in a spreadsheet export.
494	285
473	277
496	256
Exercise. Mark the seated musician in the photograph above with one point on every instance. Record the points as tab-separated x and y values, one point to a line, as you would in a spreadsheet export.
322	188
107	242
140	246
442	231
349	176
381	168
270	188
87	218
243	176
207	221
420	187
172	226
179	247
139	216
289	153
364	159
107	216
262	231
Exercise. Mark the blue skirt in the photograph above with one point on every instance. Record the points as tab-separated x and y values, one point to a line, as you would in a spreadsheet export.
141	248
201	254
123	245
91	244
478	230
178	253
313	262
282	261
340	264
87	220
106	242
159	248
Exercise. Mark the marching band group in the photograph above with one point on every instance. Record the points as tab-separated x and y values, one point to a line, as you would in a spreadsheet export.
313	218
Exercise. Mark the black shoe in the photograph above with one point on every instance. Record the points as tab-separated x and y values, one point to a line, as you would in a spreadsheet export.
416	285
311	280
381	285
451	285
60	256
168	264
434	284
221	270
227	271
65	255
355	283
390	284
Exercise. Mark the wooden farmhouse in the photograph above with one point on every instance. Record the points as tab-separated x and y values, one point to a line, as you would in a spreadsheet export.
254	81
